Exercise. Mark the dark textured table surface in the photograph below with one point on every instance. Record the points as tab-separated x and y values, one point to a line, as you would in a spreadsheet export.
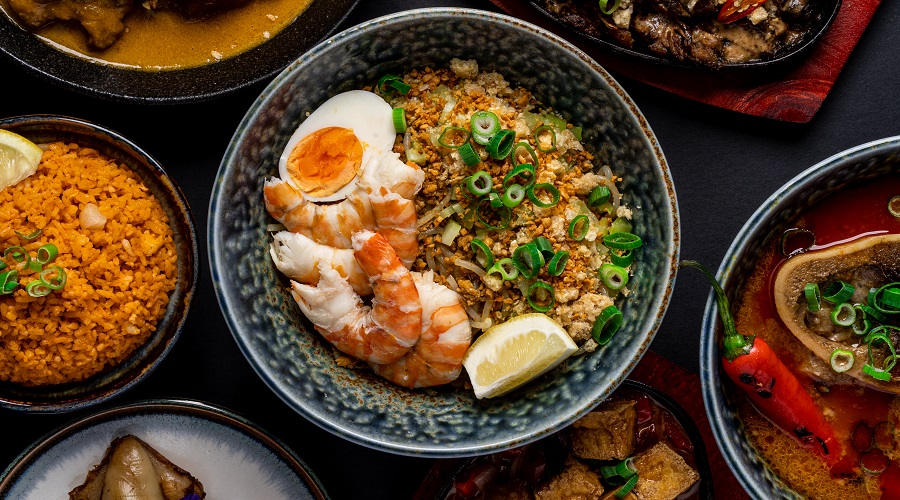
724	166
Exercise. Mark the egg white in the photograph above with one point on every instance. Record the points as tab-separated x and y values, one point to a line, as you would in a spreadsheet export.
367	114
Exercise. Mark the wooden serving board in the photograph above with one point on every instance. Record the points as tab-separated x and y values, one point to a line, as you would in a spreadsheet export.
791	95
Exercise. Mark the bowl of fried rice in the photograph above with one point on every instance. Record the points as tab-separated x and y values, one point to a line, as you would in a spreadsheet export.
99	264
539	193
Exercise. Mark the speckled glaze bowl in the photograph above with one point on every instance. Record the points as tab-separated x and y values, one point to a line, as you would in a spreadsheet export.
298	365
856	165
115	380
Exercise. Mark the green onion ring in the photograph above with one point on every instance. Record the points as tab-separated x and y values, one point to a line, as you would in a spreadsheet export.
842	360
843	315
550	188
57	280
468	155
813	297
504	213
501	144
528	149
523	171
613	276
558	263
479	183
625	469
18	254
622	241
383	81
453	130
872	313
606	9
861	317
894	206
398	116
876	301
513	196
495	200
876	373
528	260
546	303
599	195
838	292
889	361
578	227
47	254
484	124
38	288
891	298
2	265
792	234
30	236
482	251
623	259
607	324
627	487
537	141
506	268
545	247
8	281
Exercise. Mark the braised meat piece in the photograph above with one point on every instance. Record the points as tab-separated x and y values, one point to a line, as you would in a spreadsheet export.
102	19
607	433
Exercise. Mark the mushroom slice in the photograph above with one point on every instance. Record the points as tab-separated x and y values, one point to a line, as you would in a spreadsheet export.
865	263
132	470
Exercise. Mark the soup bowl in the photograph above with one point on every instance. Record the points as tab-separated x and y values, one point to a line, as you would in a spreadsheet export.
846	169
298	364
113	380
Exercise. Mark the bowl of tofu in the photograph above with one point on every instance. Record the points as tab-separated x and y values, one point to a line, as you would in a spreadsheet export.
637	444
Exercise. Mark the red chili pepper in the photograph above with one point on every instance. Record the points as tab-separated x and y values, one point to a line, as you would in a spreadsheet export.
737	9
754	367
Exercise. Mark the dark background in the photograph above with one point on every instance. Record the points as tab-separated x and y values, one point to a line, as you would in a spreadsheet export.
724	166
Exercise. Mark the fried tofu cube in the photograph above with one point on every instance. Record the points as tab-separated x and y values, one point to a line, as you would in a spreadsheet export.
575	482
607	433
663	474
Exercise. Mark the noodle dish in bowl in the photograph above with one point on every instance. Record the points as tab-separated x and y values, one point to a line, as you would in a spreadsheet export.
441	232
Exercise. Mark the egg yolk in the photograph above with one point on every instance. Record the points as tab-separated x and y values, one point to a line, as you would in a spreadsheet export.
325	161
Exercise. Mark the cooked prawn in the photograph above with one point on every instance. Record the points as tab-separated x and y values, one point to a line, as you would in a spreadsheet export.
382	333
446	335
392	174
396	219
300	258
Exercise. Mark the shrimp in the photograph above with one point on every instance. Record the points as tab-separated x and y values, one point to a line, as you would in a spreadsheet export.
382	333
392	174
446	335
396	219
300	258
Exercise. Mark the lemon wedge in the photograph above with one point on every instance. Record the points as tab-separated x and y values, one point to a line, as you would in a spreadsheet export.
512	353
19	158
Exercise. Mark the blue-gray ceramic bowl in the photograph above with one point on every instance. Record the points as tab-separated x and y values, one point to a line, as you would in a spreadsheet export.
117	379
859	164
297	363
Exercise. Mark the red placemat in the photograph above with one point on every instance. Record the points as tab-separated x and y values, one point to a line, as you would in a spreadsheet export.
793	95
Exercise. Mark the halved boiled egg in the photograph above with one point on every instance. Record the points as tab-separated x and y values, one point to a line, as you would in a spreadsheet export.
328	151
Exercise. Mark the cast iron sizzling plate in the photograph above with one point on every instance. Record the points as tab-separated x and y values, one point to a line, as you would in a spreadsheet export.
174	86
829	11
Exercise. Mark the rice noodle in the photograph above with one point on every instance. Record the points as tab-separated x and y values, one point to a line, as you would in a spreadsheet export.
451	282
471	266
431	214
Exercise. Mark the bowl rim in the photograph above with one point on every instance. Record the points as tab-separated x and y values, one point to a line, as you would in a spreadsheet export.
659	303
713	399
129	148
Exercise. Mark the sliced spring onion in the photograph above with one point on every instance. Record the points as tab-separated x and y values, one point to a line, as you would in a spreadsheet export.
842	360
484	124
557	263
532	156
505	268
608	9
800	239
613	276
54	277
495	200
877	302
503	212
541	296
541	131
599	195
890	298
607	324
872	313
533	191
453	137
398	115
482	251
627	487
9	281
479	183
862	325
528	260
838	292
17	253
501	144
545	247
30	236
46	253
843	315
578	227
468	155
392	83
623	259
523	172
625	469
894	206
513	196
622	241
38	288
882	337
876	373
813	297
